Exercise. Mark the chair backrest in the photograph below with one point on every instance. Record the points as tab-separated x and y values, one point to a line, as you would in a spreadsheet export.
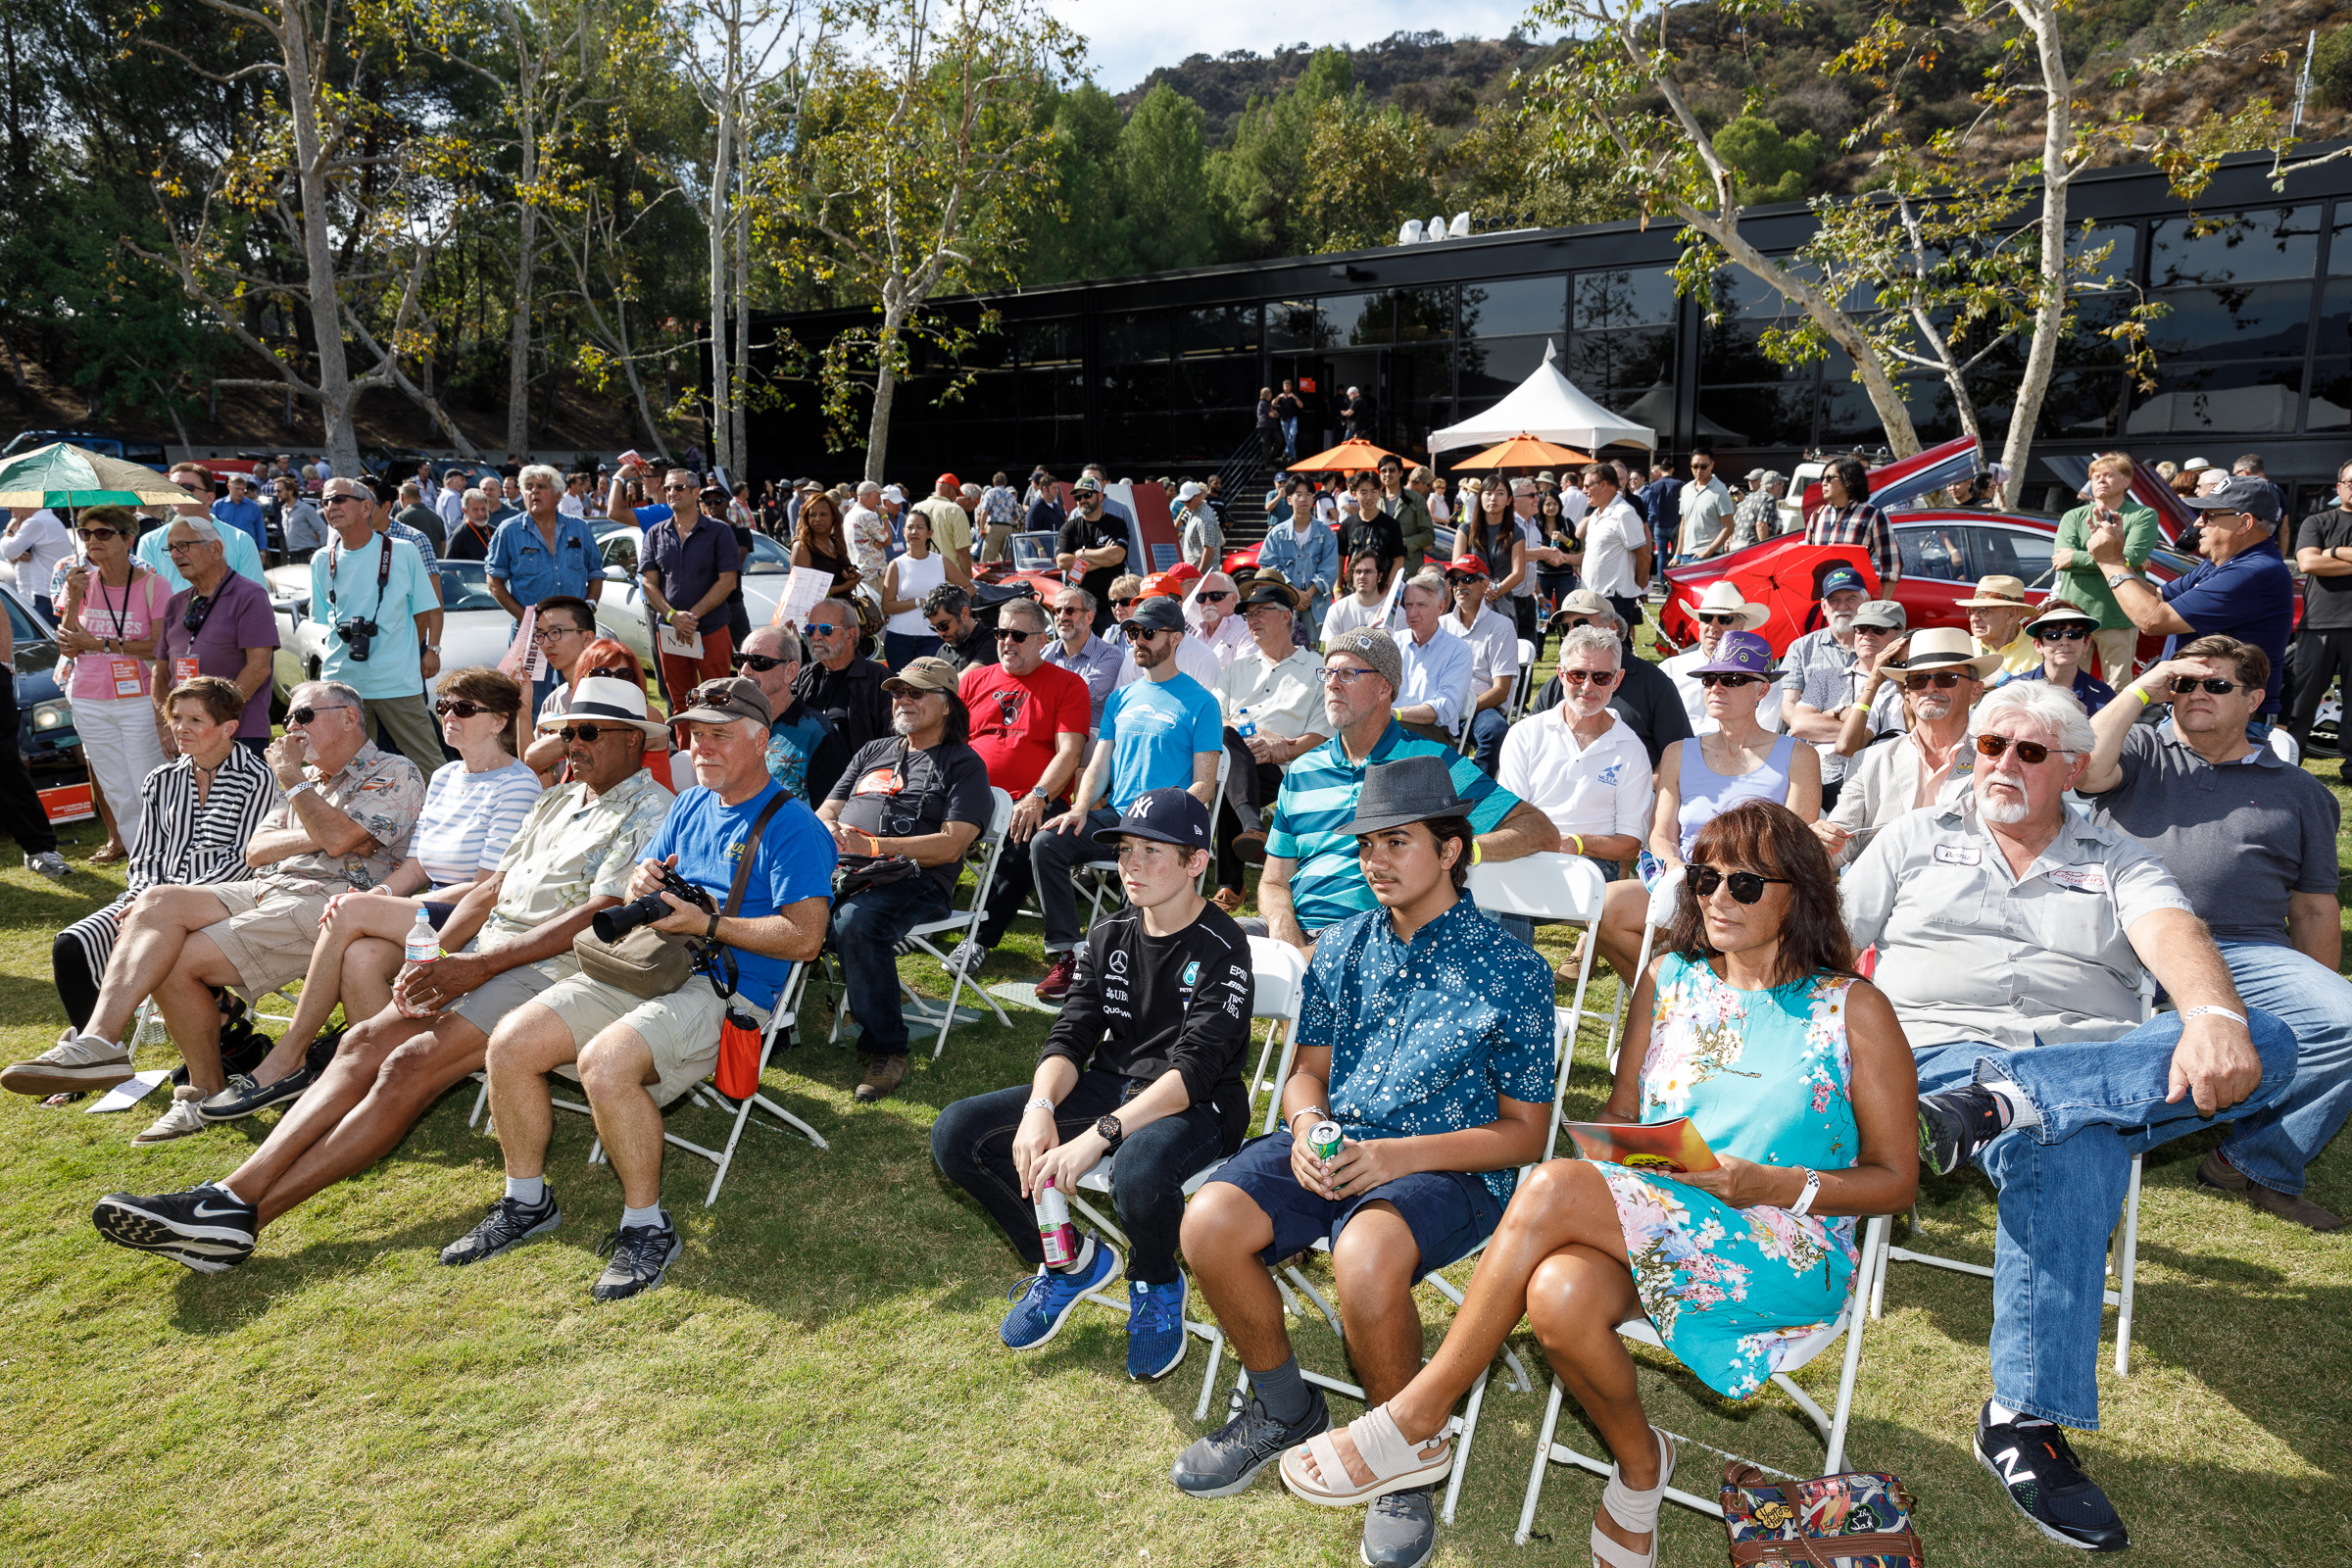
982	853
2285	746
1550	886
1527	678
1281	979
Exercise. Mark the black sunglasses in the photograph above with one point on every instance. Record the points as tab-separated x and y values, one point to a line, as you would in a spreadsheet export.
305	716
2182	685
463	707
2032	752
589	732
1944	679
99	533
1121	603
1727	618
1006	634
1729	682
1134	633
2073	632
763	662
1217	598
1747	886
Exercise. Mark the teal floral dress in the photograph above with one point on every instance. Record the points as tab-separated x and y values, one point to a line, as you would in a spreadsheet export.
1737	1294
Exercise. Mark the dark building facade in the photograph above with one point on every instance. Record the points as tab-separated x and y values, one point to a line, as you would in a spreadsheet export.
1158	374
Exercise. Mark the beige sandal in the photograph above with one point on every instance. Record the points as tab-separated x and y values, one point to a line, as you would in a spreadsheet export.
1396	1462
1634	1510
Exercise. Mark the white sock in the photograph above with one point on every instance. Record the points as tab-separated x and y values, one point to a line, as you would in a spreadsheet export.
2000	1416
530	1190
653	1216
2022	1112
1084	1259
222	1186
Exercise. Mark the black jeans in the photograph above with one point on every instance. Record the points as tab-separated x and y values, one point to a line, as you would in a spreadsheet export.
1249	789
21	811
972	1140
867	928
2317	657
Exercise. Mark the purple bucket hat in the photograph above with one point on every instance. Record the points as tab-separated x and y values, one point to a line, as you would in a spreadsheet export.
1740	653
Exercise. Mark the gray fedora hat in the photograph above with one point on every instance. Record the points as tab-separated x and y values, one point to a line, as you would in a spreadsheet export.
1411	789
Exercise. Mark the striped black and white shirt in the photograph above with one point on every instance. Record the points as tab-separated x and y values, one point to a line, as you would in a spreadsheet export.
185	842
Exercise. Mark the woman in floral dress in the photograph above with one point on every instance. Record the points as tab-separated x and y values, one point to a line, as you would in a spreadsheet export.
1797	1074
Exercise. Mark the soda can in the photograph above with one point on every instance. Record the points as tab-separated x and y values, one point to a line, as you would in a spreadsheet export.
1323	1140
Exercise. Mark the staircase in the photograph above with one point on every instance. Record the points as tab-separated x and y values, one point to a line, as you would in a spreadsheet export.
1246	477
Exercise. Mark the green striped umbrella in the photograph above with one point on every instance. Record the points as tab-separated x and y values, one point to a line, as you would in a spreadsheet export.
62	475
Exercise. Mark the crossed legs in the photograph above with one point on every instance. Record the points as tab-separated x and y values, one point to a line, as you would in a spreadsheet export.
354	963
164	953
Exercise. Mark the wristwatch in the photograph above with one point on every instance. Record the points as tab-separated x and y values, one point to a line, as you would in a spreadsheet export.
1111	1131
2116	579
1038	790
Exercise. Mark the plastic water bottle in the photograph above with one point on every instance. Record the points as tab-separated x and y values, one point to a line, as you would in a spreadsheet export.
1244	724
1054	1227
424	942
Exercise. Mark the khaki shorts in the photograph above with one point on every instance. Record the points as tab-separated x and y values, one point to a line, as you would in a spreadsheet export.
267	937
500	995
682	1028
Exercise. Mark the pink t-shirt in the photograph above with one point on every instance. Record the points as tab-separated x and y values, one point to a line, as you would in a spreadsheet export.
130	613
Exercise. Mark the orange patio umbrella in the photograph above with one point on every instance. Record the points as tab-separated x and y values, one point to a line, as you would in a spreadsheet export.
1524	451
1346	458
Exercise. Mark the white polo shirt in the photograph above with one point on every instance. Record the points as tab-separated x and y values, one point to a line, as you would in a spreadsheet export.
1285	697
1494	646
1601	788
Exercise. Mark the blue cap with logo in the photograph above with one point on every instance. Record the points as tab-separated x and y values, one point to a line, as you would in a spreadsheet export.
1843	577
1164	816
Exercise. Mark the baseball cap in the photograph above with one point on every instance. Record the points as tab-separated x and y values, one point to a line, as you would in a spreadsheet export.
1467	564
1841	579
1188	490
1882	612
726	700
1164	816
2249	493
925	675
1583	601
891	492
948	482
1161	613
1086	484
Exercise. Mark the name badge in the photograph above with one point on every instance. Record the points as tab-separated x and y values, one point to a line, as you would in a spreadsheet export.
1959	854
183	670
126	676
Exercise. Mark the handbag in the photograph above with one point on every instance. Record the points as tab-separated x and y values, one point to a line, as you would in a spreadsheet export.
648	964
1854	1520
853	874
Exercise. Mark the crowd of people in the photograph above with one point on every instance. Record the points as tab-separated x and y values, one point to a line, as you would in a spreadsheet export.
1905	893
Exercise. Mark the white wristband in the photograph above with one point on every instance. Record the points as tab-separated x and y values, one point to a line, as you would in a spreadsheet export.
1040	1102
2238	1018
1804	1200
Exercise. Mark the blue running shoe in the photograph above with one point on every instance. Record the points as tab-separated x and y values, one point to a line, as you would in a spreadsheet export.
1156	1335
1042	1302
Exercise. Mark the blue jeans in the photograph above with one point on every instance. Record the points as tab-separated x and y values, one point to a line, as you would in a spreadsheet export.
1487	727
2061	1189
899	648
2274	1145
972	1140
867	928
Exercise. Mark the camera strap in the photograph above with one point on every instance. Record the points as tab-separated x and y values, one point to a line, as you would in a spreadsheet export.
715	954
384	573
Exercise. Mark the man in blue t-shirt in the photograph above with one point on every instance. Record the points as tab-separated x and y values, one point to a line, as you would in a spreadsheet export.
634	1056
1161	732
2242	589
380	617
239	510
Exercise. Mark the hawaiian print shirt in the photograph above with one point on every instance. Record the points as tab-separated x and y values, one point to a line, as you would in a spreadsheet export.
569	850
381	792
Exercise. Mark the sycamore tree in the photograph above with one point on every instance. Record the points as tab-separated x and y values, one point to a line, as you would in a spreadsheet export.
919	152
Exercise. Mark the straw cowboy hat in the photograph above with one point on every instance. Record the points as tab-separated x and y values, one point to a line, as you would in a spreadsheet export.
1725	599
1944	647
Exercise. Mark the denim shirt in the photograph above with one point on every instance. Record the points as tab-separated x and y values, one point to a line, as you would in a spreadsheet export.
1426	1036
1314	559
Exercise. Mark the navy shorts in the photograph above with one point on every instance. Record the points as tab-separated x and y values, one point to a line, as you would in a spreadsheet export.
1448	1211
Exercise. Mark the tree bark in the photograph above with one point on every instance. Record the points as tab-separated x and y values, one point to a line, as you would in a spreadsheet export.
518	340
722	231
886	382
337	399
2057	137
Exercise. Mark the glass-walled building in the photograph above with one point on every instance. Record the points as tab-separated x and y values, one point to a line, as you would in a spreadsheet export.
1159	374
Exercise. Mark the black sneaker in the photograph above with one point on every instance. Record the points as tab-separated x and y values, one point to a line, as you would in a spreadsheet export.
2033	1459
204	1227
243	1096
1228	1459
641	1257
1955	1123
510	1223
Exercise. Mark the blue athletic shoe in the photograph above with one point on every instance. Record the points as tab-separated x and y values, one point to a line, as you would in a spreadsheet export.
1042	1301
1156	1335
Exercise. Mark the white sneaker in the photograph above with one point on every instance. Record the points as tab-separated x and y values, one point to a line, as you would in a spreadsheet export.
182	1119
77	1062
968	957
48	863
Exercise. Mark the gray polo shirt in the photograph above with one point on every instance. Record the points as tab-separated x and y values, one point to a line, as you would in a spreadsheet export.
2239	837
1969	952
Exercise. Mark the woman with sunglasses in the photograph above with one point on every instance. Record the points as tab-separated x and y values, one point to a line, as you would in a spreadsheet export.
472	808
109	613
1797	1076
2063	634
907	635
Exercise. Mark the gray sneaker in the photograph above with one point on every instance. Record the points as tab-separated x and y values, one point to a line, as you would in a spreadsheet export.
968	957
49	863
76	1064
1401	1529
510	1223
1228	1459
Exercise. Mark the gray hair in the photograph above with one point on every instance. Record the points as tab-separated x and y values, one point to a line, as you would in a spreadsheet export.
869	488
411	490
789	647
344	696
1085	599
1583	639
540	470
1432	583
2053	709
475	493
1039	619
203	528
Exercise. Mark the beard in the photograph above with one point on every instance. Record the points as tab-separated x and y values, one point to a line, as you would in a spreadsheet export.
2005	812
1840	625
901	725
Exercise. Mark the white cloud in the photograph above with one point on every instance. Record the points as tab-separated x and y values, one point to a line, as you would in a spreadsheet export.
1126	42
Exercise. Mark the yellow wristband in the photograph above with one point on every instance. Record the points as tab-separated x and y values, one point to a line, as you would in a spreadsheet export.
2144	697
1477	854
1579	839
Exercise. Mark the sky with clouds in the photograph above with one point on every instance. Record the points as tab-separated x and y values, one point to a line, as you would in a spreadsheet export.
1126	42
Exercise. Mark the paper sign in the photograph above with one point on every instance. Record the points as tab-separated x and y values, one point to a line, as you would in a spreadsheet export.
808	589
69	803
524	659
1672	1146
127	1093
681	644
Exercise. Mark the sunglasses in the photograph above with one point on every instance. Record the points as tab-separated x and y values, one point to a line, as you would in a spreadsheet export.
306	715
1595	677
763	662
2032	752
825	628
1747	886
345	495
99	533
2182	685
616	672
590	733
2073	631
1136	634
1217	598
1728	618
1730	682
466	709
1943	680
1006	634
1121	603
1457	579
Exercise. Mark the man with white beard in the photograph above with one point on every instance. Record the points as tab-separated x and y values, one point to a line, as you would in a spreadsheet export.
1930	764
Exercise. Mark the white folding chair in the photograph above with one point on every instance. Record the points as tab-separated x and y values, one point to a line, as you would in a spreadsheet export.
1660	914
1566	890
960	925
2123	1243
1099	880
1526	688
1833	1425
1280	976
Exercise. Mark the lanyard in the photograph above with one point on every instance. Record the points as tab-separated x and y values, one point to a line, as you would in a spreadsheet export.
383	572
118	613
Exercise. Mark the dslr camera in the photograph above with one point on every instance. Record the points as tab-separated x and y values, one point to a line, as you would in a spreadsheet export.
357	633
612	924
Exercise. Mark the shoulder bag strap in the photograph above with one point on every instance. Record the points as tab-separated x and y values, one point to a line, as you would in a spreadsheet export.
716	954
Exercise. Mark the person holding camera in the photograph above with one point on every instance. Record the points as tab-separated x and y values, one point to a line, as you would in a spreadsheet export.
903	815
508	941
370	594
634	1053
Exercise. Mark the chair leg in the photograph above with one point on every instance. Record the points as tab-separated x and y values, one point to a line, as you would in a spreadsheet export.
1535	1477
2131	1266
1461	1452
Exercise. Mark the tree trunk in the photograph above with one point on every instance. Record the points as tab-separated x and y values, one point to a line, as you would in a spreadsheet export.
722	231
518	339
886	382
741	299
2057	135
338	400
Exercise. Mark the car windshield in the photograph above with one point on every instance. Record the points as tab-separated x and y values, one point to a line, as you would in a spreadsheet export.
465	586
22	625
1033	552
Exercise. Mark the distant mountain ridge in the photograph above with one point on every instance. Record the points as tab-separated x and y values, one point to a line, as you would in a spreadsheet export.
1428	74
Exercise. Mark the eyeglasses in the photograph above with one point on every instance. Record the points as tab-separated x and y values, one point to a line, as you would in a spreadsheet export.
99	533
1943	680
763	662
2073	632
176	547
1121	603
1729	682
463	708
1216	598
1747	886
1342	676
2182	685
1726	618
2032	752
590	733
1592	677
677	489
303	716
1006	634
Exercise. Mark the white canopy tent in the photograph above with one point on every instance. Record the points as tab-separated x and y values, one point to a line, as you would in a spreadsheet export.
1548	405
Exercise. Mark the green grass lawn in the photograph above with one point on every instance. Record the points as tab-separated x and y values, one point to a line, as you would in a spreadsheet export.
821	1382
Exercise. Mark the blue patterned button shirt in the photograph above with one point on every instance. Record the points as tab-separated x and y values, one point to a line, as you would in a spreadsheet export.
1425	1036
